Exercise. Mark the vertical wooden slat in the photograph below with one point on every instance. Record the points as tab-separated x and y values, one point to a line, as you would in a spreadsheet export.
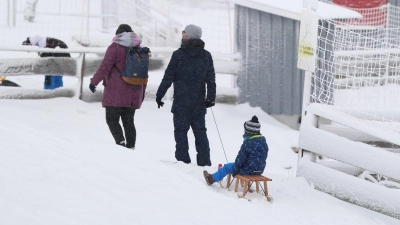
228	184
245	186
265	188
237	184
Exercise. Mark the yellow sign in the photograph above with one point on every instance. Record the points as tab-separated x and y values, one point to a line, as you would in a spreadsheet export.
306	49
308	40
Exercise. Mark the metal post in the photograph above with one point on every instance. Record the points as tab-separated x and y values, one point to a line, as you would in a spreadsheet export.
387	42
87	18
81	75
11	13
8	12
306	92
309	22
14	12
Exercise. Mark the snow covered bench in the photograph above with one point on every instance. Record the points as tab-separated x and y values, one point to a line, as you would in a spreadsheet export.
247	181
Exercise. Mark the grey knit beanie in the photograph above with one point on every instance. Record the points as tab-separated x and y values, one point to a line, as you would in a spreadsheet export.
193	31
252	126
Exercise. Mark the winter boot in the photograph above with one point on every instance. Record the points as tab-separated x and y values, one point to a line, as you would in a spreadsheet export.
208	177
122	143
131	148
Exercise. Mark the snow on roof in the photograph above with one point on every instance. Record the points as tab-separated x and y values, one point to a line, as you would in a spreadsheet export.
292	8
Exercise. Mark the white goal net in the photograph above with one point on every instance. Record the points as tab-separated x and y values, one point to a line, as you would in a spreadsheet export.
358	71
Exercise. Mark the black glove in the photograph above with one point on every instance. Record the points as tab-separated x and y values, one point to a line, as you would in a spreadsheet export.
47	80
208	103
159	102
92	87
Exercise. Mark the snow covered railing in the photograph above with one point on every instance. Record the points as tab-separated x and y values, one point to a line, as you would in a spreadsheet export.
315	141
342	149
82	67
97	50
359	121
223	63
101	50
348	188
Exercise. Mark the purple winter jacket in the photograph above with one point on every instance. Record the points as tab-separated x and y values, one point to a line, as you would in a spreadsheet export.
116	92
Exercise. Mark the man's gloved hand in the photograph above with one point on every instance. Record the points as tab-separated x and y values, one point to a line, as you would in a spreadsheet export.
159	102
92	87
208	103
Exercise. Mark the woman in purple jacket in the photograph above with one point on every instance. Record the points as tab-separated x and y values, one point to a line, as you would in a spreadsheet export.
120	99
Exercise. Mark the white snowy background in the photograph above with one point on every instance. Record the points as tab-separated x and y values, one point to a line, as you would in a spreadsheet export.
59	165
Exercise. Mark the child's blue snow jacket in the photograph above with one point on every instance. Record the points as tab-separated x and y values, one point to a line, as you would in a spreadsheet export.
251	159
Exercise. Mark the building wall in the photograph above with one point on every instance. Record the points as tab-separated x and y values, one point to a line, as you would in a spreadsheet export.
394	2
269	77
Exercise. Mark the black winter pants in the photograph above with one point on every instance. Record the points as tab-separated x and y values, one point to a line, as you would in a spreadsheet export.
182	122
127	116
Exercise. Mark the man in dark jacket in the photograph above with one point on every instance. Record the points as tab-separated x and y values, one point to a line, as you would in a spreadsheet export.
190	69
251	159
50	81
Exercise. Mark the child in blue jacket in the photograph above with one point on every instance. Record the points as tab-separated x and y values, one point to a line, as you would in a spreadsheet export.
251	159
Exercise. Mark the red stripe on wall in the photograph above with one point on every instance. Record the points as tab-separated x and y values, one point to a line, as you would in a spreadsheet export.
360	3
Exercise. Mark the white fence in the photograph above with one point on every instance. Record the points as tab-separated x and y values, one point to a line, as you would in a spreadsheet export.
81	67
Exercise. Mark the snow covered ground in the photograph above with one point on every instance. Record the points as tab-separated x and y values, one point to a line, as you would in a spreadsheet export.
58	165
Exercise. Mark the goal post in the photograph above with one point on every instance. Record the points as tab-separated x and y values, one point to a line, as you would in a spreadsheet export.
353	88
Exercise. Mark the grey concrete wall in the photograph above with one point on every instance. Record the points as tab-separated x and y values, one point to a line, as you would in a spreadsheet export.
394	2
268	77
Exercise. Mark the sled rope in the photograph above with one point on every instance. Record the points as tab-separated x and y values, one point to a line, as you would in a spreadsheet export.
219	135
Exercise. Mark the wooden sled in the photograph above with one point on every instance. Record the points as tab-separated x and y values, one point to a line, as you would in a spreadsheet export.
246	181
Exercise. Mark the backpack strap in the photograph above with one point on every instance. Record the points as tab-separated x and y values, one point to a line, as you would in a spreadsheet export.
119	71
137	55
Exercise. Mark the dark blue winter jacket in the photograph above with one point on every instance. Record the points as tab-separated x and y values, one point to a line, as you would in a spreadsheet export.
251	159
190	69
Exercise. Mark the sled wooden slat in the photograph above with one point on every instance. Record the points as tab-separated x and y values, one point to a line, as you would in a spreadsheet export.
247	180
